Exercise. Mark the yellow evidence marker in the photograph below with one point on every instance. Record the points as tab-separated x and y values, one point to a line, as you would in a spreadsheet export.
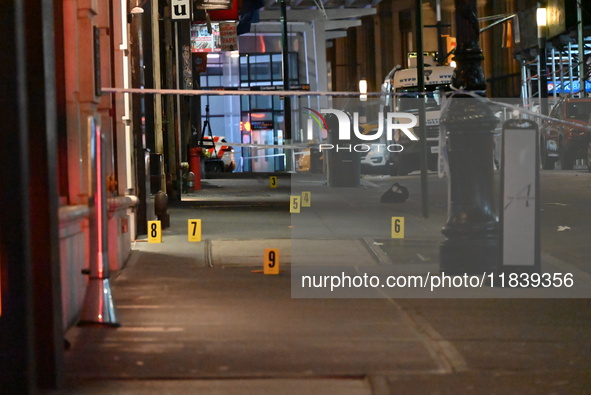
154	232
194	230
271	261
294	204
273	182
306	199
398	227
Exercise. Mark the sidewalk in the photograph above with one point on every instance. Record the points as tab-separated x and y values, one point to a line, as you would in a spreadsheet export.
200	318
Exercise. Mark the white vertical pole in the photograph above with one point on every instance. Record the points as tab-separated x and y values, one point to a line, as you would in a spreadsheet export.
580	38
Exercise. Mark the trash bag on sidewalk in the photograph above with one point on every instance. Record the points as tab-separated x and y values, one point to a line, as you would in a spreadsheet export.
395	194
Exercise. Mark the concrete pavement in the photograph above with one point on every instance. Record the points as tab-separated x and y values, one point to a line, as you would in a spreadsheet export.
201	318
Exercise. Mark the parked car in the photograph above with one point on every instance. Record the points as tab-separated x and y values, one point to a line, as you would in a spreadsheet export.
566	142
219	158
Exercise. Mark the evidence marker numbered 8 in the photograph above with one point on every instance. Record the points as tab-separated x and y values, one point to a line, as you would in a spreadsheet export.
154	232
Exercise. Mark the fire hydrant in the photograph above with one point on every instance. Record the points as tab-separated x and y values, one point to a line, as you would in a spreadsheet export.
161	209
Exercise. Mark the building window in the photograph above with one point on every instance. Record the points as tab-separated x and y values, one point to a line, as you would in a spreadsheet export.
263	115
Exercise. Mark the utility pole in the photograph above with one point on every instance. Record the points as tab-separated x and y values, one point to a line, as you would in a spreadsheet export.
169	141
158	127
138	108
287	99
421	103
581	48
542	22
472	228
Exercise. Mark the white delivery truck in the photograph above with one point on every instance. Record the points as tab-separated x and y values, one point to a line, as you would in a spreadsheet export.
400	94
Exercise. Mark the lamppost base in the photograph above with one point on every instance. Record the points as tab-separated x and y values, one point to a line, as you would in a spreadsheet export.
98	308
468	255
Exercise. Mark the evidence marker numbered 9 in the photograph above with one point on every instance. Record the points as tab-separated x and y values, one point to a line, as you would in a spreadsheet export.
271	261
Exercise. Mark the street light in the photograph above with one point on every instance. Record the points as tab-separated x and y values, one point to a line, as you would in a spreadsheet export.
363	90
542	22
472	228
541	17
136	7
362	99
138	114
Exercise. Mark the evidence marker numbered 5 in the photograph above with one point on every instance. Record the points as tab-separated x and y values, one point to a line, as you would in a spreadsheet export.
295	204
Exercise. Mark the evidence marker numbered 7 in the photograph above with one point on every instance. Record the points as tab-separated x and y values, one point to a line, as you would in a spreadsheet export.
194	230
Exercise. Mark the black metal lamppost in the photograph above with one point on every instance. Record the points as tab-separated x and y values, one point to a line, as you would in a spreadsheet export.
541	21
138	111
472	228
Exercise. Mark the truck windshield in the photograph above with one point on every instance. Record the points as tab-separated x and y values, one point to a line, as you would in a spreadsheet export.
408	101
579	111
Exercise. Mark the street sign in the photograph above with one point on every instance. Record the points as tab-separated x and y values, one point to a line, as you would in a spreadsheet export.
228	36
181	9
519	217
213	4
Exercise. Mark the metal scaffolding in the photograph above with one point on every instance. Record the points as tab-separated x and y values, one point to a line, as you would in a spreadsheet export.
567	70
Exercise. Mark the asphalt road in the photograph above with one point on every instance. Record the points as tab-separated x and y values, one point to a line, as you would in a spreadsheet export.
191	328
565	198
565	202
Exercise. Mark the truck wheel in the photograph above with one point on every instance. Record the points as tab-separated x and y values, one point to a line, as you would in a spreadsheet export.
392	169
547	162
567	161
401	169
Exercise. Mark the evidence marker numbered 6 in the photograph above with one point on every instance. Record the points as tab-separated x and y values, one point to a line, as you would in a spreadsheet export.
154	232
398	227
194	230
